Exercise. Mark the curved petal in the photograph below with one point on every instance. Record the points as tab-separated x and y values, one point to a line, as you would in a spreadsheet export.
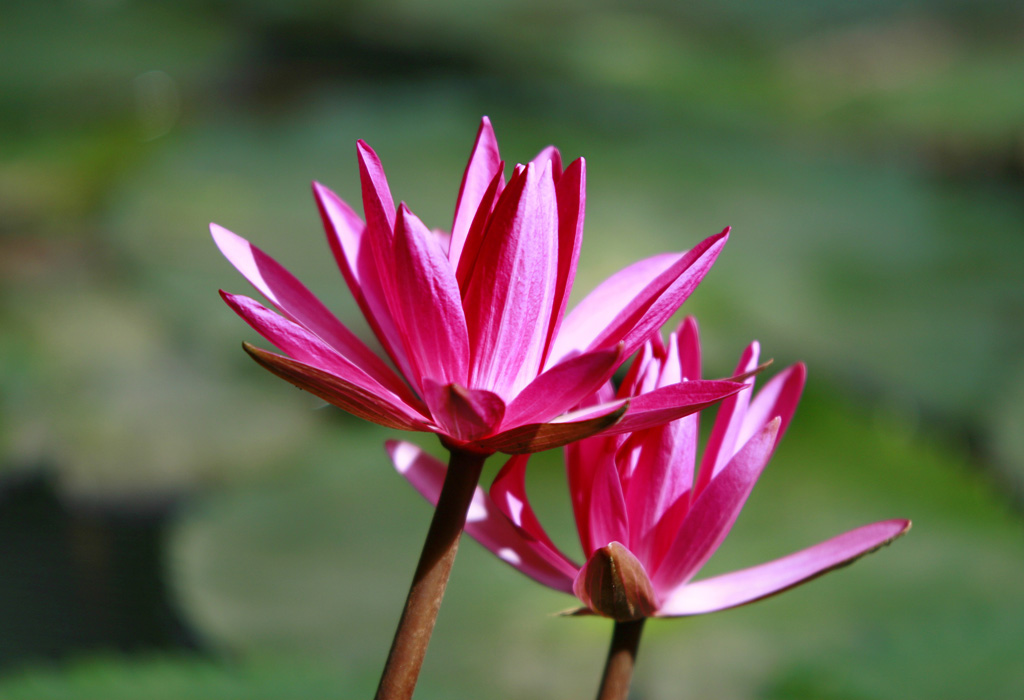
301	345
485	523
755	583
537	437
346	234
671	402
629	306
608	519
561	388
779	397
474	238
340	392
724	439
464	414
509	297
300	305
508	492
484	163
433	325
571	196
714	511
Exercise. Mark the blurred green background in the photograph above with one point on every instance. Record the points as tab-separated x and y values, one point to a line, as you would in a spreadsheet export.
870	157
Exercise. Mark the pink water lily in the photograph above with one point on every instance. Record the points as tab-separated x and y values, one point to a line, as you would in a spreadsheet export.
647	518
472	322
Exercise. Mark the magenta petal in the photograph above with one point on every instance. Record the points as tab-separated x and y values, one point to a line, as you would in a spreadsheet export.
714	511
485	522
755	583
509	297
335	390
464	414
484	164
466	263
508	492
347	236
429	304
561	387
631	304
378	206
724	438
657	492
671	402
608	519
537	437
778	397
571	193
298	304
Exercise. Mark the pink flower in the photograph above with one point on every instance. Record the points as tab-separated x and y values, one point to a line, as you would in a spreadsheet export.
473	321
647	519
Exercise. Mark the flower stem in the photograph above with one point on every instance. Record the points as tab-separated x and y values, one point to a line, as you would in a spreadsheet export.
618	669
402	668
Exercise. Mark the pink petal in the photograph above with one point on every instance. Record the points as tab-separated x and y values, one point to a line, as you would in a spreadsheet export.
633	303
608	519
298	304
537	437
475	237
485	523
671	402
434	328
714	511
340	392
582	458
549	154
722	443
508	301
508	492
484	164
571	193
378	206
301	345
657	492
779	397
755	583
346	234
464	414
561	387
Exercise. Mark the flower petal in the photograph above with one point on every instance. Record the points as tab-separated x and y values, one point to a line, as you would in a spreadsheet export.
338	391
537	437
485	523
561	388
608	519
631	304
298	304
348	238
571	193
723	441
778	397
508	492
474	238
427	296
714	511
464	414
755	583
671	402
509	298
484	164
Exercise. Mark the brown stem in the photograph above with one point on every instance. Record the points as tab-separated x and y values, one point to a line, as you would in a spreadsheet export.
618	670
431	578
